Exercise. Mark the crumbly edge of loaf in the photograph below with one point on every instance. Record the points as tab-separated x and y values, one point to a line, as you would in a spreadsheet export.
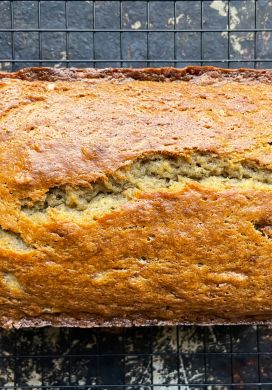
145	74
70	321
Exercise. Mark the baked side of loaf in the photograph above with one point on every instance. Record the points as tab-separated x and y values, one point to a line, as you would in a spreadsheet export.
135	197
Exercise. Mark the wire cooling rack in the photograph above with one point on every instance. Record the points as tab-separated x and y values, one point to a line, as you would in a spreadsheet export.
180	358
137	34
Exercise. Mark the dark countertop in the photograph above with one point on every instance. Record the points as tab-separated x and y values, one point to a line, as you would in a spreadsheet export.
137	356
186	48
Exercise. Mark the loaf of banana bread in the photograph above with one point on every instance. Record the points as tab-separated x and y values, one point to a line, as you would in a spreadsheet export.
135	197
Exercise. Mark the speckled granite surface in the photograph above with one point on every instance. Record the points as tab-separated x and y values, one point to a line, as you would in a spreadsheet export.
135	44
136	358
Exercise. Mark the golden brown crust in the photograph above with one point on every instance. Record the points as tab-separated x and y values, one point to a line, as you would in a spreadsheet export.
197	253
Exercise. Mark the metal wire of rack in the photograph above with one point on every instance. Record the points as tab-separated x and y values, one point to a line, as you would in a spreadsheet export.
141	33
180	358
138	33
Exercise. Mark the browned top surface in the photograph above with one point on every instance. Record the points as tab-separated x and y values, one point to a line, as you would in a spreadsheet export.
104	122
